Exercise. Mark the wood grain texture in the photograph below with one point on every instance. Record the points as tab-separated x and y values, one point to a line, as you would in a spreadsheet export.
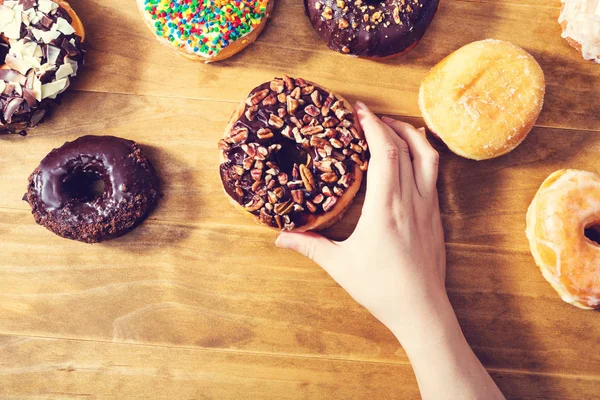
198	303
81	369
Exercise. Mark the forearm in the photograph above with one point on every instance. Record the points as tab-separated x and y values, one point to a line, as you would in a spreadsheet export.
444	364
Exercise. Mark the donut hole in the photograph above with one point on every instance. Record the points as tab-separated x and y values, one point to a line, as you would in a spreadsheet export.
592	232
84	186
289	155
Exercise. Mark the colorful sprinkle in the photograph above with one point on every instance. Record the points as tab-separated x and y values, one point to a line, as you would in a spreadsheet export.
205	26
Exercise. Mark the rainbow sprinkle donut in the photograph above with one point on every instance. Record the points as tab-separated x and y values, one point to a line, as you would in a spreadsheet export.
206	30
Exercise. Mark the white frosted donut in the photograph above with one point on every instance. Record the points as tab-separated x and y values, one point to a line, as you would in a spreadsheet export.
567	203
580	20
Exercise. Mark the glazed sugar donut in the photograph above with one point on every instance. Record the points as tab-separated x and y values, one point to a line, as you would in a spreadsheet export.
567	205
65	197
369	28
483	99
580	21
293	155
41	53
206	30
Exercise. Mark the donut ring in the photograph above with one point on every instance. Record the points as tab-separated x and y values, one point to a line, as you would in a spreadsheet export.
371	29
202	42
581	27
566	205
42	52
293	155
64	199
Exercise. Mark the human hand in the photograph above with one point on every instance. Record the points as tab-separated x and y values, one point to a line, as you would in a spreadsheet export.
394	264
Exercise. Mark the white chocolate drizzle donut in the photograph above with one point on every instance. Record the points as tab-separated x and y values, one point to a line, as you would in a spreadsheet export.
42	51
580	20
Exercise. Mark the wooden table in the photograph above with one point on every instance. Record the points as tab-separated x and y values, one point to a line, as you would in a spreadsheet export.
197	303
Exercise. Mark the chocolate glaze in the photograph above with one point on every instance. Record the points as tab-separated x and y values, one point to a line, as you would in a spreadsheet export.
399	25
16	118
288	158
60	191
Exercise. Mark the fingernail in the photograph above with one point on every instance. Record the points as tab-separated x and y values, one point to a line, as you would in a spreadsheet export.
360	105
284	241
387	119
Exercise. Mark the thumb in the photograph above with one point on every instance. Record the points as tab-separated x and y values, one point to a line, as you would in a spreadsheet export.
316	247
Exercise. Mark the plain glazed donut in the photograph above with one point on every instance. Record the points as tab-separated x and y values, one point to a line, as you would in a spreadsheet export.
206	30
293	155
483	99
580	22
42	52
566	205
64	196
372	29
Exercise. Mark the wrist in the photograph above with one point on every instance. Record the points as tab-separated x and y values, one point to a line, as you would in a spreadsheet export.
430	322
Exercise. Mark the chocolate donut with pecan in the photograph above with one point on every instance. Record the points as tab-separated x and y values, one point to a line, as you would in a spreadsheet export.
371	28
40	51
293	155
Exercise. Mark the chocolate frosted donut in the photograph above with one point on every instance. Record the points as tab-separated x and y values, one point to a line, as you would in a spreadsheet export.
94	188
368	28
293	155
40	52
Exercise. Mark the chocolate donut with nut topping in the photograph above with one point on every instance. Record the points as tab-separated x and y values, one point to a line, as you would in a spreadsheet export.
41	49
371	28
293	155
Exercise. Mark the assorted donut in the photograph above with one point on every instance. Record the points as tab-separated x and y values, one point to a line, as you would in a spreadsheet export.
580	22
93	188
371	29
41	48
293	155
483	99
562	228
206	30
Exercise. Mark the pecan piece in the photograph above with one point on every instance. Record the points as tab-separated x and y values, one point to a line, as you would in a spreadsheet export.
298	196
264	133
255	204
306	90
296	93
282	178
341	168
269	100
295	172
316	98
265	218
342	113
257	185
272	197
277	85
338	191
330	122
223	145
275	121
323	166
307	178
278	221
311	130
292	105
329	177
256	174
327	104
281	97
239	192
327	191
257	97
336	143
329	203
284	208
318	199
278	192
289	83
301	82
238	135
312	110
287	132
311	206
295	184
251	113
